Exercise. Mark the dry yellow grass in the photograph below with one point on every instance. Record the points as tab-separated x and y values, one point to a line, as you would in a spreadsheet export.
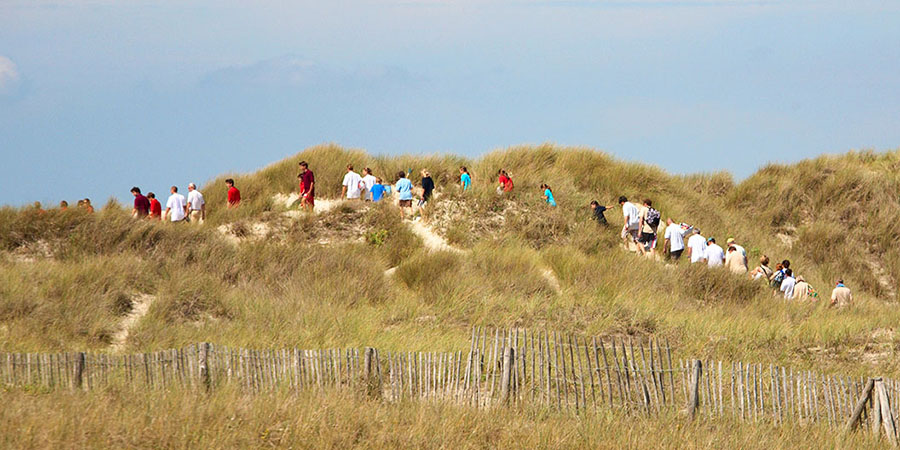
289	291
225	419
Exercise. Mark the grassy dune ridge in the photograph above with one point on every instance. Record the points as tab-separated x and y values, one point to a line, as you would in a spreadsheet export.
67	280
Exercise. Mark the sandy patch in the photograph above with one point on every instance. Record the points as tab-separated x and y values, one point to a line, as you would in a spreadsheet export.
139	307
433	241
290	201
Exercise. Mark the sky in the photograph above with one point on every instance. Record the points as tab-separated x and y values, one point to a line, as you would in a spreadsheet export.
97	96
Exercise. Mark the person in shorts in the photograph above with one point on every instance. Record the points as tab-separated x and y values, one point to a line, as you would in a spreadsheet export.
674	240
404	193
631	214
647	236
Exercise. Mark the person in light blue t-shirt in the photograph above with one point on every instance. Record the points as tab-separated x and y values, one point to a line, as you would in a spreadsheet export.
465	180
404	192
548	195
377	190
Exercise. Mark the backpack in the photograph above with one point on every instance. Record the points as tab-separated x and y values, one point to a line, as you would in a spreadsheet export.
652	218
777	279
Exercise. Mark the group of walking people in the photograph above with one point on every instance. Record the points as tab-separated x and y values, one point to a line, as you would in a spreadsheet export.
641	228
370	188
84	204
178	207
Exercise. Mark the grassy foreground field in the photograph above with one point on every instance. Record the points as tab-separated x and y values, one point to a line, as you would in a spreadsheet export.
69	279
280	419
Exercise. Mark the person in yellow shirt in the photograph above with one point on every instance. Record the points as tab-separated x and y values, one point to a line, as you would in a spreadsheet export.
841	295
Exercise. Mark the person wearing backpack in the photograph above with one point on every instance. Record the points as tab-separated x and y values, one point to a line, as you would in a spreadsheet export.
778	277
649	223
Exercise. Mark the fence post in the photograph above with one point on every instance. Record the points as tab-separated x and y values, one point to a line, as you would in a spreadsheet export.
887	415
79	369
860	405
370	362
204	365
505	379
696	373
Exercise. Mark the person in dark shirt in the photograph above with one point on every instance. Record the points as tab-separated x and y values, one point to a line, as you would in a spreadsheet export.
141	204
427	191
598	211
307	187
427	186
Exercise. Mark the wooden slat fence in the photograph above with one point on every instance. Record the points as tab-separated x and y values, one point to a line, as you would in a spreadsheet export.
501	367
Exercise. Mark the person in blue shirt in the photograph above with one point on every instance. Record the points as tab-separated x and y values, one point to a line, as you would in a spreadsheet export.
377	190
465	180
548	195
404	192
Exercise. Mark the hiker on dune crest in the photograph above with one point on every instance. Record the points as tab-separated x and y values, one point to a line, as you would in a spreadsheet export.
141	204
155	207
597	211
404	193
234	195
307	187
649	222
176	206
465	180
378	190
350	186
505	182
632	216
196	205
548	195
366	184
427	186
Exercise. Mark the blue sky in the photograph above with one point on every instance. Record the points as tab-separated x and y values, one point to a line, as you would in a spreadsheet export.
99	95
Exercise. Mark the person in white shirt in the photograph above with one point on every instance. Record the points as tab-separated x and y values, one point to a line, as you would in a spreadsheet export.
674	243
632	219
368	180
176	206
351	184
715	256
196	205
787	285
697	247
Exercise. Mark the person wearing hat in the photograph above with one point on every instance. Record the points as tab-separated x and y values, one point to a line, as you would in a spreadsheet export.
715	256
697	247
801	289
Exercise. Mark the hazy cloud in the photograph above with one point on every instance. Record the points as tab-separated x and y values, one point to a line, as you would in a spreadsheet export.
9	76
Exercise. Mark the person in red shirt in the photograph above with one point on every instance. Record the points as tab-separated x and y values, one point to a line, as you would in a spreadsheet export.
141	204
234	195
506	184
307	187
155	207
